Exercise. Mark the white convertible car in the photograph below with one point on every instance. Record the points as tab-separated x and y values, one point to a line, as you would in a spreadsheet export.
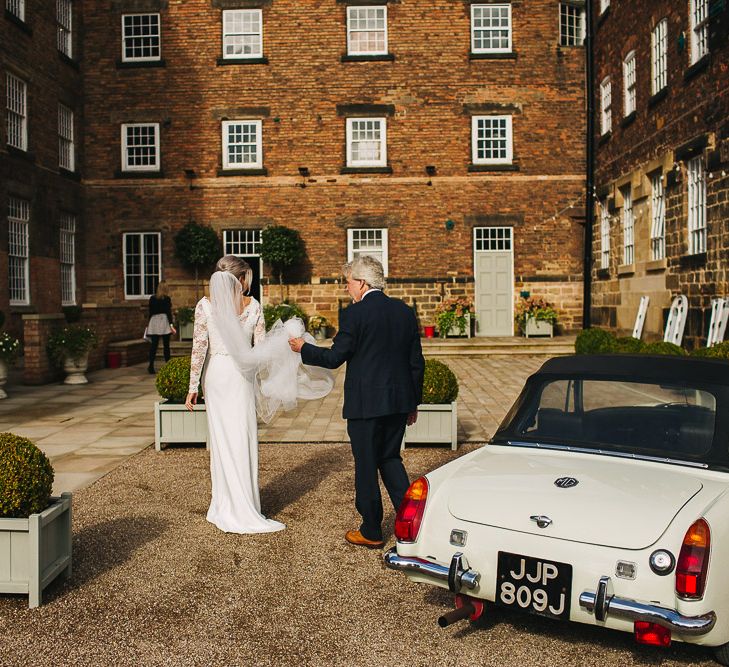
603	498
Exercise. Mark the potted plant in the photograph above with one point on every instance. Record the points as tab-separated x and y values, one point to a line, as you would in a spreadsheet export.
9	349
535	317
282	311
197	247
318	326
35	528
70	346
437	415
185	322
281	248
173	422
453	317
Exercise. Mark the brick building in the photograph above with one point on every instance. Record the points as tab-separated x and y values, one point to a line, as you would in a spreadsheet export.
662	152
445	138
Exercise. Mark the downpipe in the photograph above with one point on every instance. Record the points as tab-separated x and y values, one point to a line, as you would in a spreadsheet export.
466	608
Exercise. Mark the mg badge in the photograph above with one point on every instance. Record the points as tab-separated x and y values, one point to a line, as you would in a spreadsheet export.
566	482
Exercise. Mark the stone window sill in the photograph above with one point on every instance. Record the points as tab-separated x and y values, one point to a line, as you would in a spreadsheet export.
366	170
626	269
70	175
243	172
478	168
604	138
699	259
698	67
141	64
628	120
662	94
603	274
657	265
242	61
20	153
361	58
139	174
510	55
69	61
18	22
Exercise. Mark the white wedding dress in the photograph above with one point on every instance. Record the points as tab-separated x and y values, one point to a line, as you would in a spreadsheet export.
232	427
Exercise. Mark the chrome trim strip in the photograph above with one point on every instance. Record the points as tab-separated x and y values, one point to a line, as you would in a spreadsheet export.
603	452
462	577
603	604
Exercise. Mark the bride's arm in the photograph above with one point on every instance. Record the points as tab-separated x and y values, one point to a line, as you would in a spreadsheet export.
259	331
199	347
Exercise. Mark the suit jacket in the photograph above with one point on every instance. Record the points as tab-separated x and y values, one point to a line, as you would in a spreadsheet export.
378	338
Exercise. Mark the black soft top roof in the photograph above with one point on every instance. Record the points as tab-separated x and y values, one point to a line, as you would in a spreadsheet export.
637	367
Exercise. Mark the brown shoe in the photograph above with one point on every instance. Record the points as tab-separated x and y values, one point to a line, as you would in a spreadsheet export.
356	538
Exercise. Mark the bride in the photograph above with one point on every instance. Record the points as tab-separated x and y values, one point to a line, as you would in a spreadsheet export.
241	379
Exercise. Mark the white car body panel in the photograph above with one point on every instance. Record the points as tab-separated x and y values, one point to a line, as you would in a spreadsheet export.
639	505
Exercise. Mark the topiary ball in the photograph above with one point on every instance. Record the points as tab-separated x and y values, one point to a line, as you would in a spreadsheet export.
662	347
440	384
173	380
595	341
628	345
26	477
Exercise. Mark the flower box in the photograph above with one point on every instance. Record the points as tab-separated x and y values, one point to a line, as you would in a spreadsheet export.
186	331
455	330
437	423
174	423
34	551
535	327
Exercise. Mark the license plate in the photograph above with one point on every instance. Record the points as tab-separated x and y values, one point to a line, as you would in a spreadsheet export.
538	586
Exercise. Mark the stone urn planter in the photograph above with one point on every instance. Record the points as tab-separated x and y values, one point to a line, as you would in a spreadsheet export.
437	424
34	551
3	378
535	327
174	423
75	369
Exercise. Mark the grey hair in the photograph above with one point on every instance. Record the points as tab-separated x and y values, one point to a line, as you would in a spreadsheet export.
366	268
238	267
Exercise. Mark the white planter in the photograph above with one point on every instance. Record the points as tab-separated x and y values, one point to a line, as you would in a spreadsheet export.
174	423
185	331
75	369
455	331
34	551
436	424
3	378
538	328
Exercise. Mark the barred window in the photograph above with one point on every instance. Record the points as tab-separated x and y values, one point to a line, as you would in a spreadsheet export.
18	254
628	227
490	28
696	206
659	56
367	30
658	217
68	259
606	115
604	235
372	242
16	8
140	37
571	24
699	29
629	95
491	140
64	18
493	239
142	264
66	148
17	112
366	142
242	147
242	242
242	33
140	147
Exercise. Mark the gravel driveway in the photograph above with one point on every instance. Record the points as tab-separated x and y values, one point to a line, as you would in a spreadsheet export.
155	584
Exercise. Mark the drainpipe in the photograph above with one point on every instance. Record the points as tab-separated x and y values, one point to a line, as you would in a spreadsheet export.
590	168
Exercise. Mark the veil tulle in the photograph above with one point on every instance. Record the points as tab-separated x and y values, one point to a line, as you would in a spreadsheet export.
279	378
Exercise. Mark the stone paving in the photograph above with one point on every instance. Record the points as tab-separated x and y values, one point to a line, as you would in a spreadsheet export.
88	430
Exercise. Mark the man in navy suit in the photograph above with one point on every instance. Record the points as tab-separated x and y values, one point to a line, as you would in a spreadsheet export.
378	338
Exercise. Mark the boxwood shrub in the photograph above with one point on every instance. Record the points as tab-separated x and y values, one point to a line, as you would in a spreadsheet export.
595	341
440	384
662	347
173	380
26	477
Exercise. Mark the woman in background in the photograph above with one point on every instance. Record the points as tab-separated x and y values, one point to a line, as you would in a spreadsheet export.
160	323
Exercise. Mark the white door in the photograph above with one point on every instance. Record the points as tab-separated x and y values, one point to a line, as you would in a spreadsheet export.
494	275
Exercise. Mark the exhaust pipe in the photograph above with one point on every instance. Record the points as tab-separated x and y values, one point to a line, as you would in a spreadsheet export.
466	607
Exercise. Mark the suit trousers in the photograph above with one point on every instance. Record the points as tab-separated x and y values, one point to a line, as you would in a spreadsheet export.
376	448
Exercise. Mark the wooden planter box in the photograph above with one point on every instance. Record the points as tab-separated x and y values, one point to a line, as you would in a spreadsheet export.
174	423
34	551
436	424
455	332
538	328
185	331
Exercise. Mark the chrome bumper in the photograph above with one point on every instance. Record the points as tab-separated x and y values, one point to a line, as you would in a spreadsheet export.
458	575
602	603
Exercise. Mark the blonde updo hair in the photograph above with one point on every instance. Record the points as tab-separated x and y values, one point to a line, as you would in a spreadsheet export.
239	268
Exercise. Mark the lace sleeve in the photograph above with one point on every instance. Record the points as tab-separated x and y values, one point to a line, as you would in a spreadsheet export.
199	347
259	332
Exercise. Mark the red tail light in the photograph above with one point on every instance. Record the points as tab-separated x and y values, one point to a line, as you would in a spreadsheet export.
651	633
410	514
693	562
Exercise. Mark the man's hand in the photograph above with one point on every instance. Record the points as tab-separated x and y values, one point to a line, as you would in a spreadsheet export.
296	344
412	418
191	400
